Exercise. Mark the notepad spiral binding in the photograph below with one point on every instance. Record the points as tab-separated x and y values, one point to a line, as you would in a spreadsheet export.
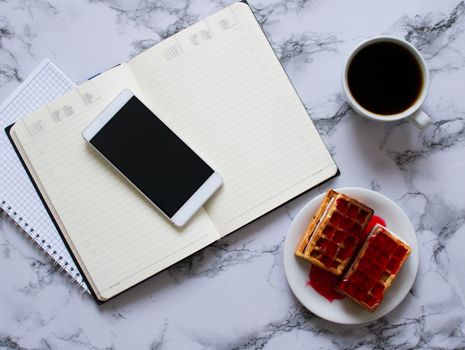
12	216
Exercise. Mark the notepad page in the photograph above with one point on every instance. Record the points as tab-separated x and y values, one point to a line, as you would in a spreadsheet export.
117	235
219	85
18	197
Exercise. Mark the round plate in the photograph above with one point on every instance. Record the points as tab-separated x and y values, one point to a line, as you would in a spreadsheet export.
344	310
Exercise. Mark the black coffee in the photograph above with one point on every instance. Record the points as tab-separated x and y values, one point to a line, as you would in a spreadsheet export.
385	78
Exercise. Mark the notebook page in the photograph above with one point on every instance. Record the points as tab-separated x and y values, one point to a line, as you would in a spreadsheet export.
119	237
219	85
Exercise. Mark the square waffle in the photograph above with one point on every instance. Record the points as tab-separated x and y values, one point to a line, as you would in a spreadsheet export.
335	232
374	268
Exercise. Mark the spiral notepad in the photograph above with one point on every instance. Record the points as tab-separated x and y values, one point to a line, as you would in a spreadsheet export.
18	198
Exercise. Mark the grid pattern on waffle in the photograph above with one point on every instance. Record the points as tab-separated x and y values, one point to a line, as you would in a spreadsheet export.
18	198
341	231
375	267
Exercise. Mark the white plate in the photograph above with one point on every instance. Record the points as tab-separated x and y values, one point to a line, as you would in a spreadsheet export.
346	311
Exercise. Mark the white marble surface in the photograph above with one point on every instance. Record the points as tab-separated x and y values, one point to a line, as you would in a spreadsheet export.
234	295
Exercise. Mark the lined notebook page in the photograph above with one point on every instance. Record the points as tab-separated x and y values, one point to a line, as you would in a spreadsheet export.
219	85
119	237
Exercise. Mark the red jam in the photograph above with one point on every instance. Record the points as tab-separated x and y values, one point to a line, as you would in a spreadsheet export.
375	219
324	283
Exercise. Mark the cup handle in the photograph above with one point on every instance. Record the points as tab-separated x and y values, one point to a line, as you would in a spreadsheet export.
420	119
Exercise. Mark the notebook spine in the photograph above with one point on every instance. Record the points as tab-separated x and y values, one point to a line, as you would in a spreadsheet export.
36	239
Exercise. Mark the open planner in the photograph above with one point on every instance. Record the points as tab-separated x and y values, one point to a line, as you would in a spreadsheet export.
220	87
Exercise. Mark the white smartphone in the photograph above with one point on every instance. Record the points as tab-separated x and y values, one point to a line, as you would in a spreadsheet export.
152	157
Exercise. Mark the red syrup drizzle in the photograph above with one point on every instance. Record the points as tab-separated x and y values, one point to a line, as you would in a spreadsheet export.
375	219
324	282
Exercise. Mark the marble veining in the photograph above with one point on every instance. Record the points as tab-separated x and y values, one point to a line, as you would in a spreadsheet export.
234	294
443	134
327	125
8	70
431	34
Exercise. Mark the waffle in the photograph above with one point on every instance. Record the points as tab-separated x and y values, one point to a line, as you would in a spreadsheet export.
374	268
335	232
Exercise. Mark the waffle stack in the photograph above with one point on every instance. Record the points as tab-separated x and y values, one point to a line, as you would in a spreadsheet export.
374	268
335	232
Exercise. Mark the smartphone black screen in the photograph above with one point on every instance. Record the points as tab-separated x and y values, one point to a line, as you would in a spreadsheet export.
151	156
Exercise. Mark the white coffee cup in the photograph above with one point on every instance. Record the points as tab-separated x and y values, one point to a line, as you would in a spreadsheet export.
413	114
